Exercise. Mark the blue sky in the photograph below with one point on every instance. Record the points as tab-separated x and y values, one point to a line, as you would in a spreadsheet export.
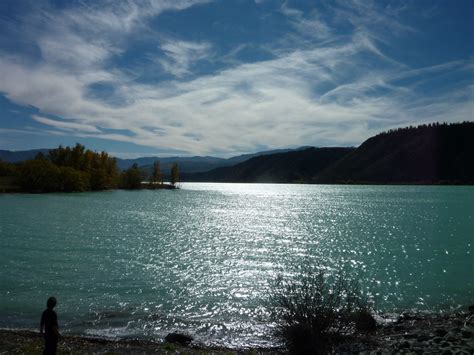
203	77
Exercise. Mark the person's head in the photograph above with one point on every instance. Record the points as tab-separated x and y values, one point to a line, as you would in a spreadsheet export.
51	302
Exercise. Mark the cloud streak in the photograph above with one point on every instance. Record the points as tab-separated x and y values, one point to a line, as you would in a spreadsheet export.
69	126
182	55
322	92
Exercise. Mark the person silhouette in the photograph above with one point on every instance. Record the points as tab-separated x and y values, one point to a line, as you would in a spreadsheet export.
49	327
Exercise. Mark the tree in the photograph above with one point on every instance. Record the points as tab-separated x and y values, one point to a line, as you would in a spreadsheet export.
39	175
73	180
7	169
174	174
157	176
131	178
98	168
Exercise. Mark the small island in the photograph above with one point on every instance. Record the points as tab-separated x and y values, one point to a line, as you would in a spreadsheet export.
78	169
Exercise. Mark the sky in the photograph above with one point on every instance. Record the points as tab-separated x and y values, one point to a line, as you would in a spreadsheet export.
226	77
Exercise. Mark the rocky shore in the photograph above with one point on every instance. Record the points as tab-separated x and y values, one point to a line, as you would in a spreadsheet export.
408	333
417	333
29	342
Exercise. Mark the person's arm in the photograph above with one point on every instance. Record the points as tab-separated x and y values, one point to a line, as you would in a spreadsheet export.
56	331
55	326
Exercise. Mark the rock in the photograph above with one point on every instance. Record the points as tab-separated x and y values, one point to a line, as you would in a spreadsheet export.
404	345
178	338
466	334
437	340
471	309
423	337
364	321
445	344
410	336
409	316
447	352
440	332
399	328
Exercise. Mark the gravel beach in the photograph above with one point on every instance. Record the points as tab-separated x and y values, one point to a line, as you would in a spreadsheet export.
415	333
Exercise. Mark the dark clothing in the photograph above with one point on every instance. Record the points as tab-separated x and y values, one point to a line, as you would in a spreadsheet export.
50	345
49	320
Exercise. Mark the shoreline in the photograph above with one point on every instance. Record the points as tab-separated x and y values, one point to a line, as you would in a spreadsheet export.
15	190
21	341
440	333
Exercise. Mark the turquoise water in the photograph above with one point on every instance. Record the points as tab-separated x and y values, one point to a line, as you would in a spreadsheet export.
143	263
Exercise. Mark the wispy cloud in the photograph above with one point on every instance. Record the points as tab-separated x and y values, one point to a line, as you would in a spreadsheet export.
64	125
180	55
310	25
320	88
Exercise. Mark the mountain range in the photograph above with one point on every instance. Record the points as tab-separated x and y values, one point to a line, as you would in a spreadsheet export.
426	154
186	164
290	167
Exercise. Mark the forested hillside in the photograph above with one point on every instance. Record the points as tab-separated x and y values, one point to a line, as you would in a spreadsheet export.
435	153
293	166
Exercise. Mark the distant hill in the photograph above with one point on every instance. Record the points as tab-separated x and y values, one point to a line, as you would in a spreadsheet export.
292	166
193	164
186	164
189	164
437	153
21	155
241	158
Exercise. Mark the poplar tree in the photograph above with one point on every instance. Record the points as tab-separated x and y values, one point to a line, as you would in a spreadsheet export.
174	174
157	175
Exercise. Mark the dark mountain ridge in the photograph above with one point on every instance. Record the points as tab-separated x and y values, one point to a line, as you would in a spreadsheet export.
286	167
427	154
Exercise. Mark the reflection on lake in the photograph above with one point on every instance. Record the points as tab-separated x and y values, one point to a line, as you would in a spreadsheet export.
142	263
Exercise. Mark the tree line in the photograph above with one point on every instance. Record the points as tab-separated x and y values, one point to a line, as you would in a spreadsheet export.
423	127
75	169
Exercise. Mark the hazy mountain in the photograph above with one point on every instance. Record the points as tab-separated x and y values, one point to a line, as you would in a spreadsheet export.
292	166
21	155
438	153
241	158
186	164
191	164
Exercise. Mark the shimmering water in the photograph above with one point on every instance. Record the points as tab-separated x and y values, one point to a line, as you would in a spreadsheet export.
200	259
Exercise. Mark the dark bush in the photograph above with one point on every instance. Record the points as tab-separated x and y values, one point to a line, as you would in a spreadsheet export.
317	309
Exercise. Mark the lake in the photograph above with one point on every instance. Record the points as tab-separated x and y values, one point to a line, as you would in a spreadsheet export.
201	259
